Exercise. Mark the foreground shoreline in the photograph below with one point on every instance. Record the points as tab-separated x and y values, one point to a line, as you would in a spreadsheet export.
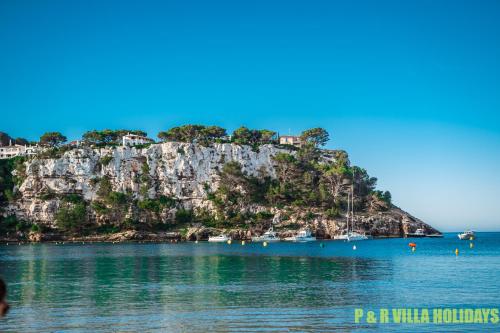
126	237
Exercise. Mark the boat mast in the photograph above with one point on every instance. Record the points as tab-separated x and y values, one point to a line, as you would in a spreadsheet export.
352	198
348	211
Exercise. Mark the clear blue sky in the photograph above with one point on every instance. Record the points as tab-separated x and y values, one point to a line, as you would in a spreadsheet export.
411	89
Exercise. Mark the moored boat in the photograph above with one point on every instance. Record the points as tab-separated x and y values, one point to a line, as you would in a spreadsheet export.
469	234
434	235
268	236
219	239
417	234
341	237
351	235
302	236
356	236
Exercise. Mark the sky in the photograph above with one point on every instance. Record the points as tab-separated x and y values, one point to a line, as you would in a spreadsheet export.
410	89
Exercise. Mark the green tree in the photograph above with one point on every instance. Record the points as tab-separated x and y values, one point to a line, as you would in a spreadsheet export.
308	153
210	134
267	136
71	217
334	176
5	139
318	136
363	183
108	136
290	175
52	139
183	216
105	187
201	134
242	136
21	141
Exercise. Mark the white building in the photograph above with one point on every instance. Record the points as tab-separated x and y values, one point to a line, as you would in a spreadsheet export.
134	140
290	140
75	143
16	150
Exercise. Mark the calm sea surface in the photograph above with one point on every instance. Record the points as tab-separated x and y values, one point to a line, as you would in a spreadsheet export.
203	287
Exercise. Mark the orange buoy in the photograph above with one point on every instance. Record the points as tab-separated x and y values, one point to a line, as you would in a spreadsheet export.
412	245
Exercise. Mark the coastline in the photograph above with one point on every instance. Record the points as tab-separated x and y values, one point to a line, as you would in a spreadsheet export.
129	236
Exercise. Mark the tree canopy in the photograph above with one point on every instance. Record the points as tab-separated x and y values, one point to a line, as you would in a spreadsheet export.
318	136
108	136
193	133
52	139
6	139
245	136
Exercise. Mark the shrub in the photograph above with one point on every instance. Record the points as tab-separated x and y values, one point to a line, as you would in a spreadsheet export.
131	224
47	195
99	207
117	199
105	160
183	216
332	212
71	217
150	205
73	198
167	201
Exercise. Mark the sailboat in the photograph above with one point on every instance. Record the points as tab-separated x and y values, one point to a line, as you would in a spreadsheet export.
347	215
351	235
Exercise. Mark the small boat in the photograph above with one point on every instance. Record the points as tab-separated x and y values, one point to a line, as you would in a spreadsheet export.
341	237
219	239
351	236
268	236
434	235
469	234
302	236
356	236
417	234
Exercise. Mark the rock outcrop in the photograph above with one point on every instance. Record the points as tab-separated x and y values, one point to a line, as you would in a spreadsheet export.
187	172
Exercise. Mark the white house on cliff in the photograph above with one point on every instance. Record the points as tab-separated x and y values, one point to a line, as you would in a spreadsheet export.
134	140
16	150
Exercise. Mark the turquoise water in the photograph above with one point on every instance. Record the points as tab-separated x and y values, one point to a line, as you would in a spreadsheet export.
205	287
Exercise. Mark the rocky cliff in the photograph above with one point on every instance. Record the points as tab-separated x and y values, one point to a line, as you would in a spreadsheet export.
187	173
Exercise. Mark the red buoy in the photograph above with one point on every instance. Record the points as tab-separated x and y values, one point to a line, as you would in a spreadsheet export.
412	245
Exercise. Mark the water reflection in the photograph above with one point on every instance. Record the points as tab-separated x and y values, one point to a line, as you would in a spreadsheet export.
210	287
90	287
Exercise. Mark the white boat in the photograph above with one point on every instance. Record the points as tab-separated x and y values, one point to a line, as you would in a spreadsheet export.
469	234
268	236
417	234
302	236
219	239
341	237
356	236
351	236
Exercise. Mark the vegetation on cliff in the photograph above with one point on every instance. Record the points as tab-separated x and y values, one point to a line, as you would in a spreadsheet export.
12	172
303	180
307	178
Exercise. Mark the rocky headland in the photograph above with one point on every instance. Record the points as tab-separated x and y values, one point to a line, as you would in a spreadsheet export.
187	191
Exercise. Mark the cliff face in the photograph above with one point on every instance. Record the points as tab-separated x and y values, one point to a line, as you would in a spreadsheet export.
187	172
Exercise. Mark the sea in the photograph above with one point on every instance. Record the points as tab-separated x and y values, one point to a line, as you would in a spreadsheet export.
322	286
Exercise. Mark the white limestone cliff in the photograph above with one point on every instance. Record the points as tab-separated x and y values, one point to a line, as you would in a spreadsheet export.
181	170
